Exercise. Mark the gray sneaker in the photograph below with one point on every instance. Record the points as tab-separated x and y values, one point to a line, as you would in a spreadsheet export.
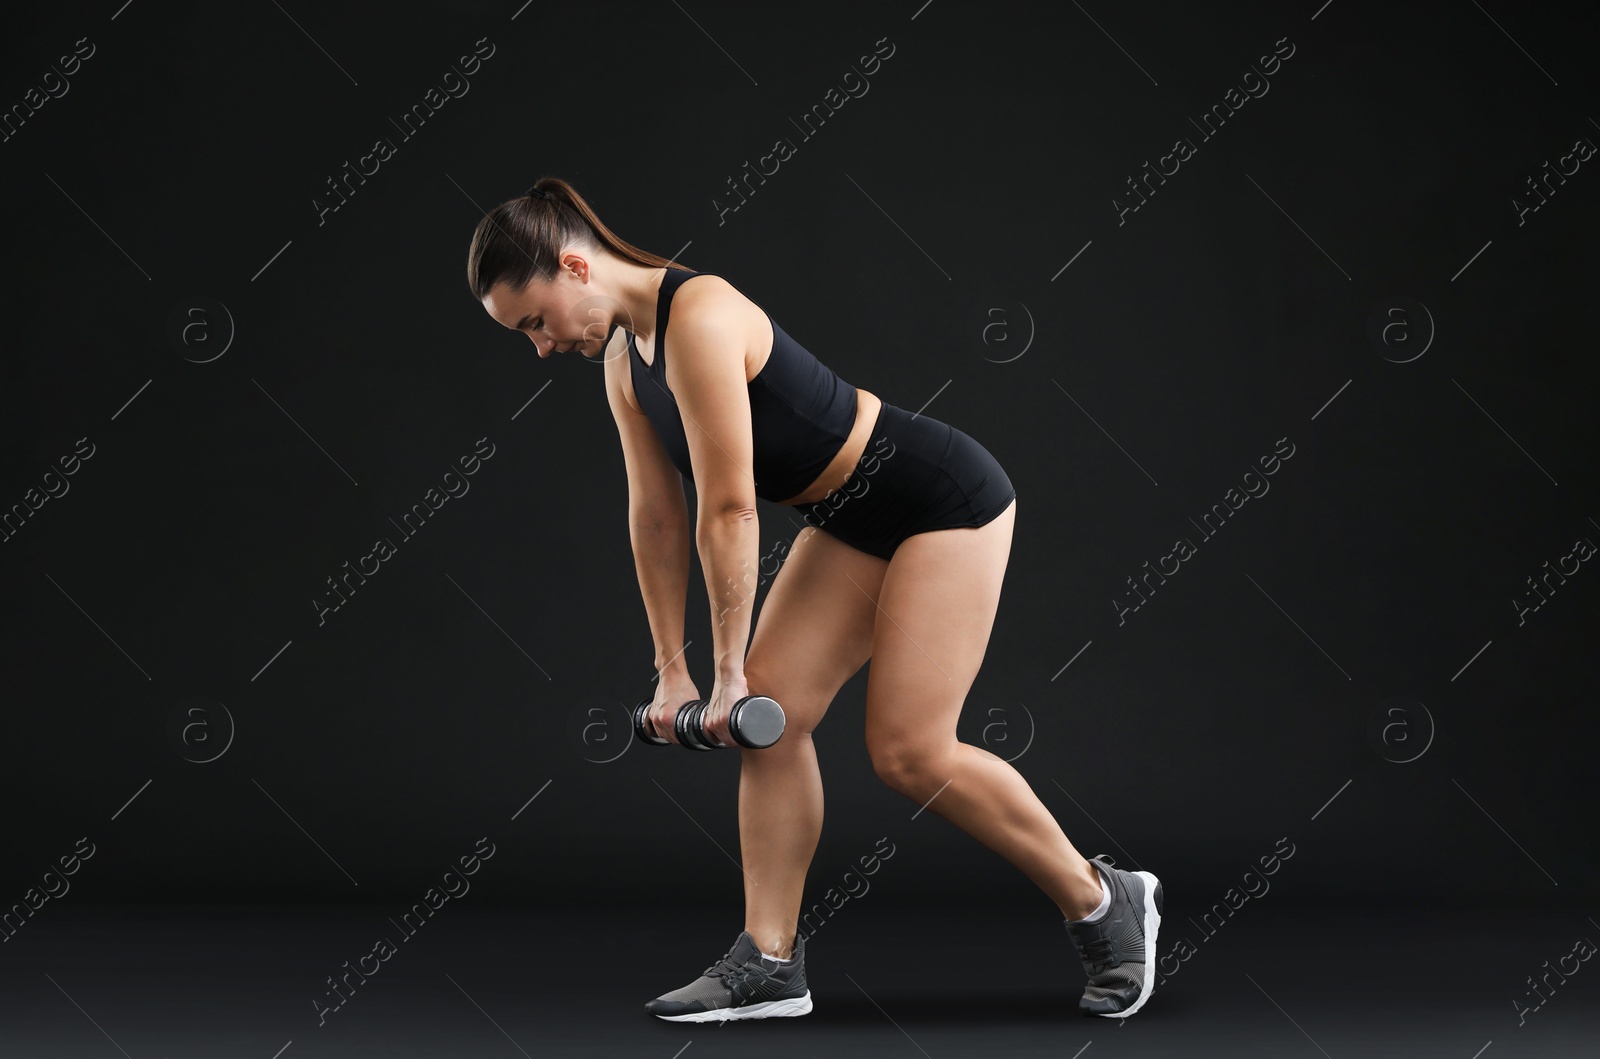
1118	948
742	985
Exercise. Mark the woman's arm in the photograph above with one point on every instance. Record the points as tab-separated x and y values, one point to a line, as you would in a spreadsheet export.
658	521
706	374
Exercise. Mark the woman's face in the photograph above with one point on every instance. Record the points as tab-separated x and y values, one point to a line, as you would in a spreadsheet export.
557	315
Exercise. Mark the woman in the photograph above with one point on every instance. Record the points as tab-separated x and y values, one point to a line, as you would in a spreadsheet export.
901	561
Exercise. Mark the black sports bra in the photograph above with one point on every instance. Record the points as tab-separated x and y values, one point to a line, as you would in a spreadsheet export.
801	413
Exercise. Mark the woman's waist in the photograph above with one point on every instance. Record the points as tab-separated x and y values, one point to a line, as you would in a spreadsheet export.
869	408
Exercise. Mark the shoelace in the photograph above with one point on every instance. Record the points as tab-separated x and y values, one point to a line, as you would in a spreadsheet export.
731	970
1097	953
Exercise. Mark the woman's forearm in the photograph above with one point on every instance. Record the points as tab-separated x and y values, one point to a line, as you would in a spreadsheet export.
661	558
729	546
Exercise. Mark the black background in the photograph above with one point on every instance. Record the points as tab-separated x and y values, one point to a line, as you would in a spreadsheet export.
1125	394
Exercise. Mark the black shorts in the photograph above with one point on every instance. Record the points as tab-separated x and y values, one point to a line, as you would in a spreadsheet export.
916	474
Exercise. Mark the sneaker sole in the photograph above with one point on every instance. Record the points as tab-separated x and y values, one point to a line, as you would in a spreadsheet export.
1152	924
791	1006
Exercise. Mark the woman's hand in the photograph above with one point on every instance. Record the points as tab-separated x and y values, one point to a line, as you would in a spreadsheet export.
672	693
714	721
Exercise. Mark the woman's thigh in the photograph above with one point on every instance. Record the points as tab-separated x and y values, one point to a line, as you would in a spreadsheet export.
935	613
815	629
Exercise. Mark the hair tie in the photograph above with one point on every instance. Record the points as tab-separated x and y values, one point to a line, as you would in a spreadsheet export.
537	193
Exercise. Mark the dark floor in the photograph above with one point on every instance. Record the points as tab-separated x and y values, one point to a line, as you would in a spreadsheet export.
95	982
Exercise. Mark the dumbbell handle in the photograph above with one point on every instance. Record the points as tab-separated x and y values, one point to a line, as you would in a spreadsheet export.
756	722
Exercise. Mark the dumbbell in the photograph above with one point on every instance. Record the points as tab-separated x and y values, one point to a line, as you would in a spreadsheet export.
756	722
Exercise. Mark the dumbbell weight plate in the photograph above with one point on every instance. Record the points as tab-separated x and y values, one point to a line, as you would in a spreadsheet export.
641	729
697	727
756	722
687	724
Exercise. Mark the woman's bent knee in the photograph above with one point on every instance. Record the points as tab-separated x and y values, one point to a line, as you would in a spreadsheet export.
916	773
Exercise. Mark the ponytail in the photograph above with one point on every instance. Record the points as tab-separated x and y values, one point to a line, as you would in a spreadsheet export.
521	238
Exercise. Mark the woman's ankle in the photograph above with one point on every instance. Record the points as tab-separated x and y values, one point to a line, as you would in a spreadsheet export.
773	943
1088	896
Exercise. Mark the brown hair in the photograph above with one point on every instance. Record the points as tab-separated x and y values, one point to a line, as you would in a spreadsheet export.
520	238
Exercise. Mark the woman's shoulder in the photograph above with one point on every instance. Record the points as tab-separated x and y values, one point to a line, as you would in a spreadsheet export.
708	296
703	285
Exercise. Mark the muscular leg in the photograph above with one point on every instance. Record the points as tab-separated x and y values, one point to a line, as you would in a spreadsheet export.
813	633
937	607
